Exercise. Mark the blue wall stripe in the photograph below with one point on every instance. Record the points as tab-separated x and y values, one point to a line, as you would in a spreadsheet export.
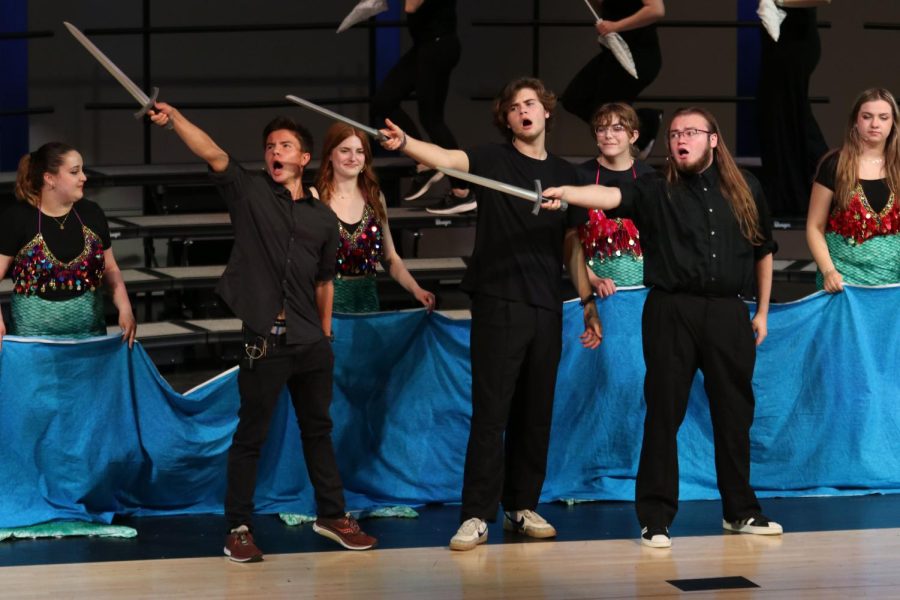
13	83
748	50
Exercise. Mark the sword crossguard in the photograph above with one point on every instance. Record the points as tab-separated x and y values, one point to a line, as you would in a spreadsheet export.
539	197
154	94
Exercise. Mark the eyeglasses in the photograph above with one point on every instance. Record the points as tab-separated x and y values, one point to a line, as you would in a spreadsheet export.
690	133
614	128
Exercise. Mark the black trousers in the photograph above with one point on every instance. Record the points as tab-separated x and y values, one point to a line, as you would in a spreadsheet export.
683	333
307	371
604	80
515	350
425	69
791	142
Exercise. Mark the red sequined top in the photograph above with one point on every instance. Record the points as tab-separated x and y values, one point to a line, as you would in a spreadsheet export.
362	249
36	270
603	238
859	222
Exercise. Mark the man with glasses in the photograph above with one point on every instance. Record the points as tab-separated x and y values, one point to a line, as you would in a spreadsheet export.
706	235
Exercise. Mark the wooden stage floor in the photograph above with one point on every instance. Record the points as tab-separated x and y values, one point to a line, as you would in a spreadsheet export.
836	547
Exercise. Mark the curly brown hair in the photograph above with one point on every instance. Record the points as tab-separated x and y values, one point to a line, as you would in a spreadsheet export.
505	99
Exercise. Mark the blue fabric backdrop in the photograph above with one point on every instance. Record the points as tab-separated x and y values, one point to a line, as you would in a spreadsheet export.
90	429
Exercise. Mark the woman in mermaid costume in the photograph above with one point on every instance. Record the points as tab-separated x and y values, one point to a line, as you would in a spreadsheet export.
60	254
612	247
347	183
853	217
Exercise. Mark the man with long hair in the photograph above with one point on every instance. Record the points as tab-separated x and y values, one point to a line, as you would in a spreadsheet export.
516	339
706	235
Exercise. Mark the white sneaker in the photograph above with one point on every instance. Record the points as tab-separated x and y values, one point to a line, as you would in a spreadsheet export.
758	525
471	533
529	523
658	537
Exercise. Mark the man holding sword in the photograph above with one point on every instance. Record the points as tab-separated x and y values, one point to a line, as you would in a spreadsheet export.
514	280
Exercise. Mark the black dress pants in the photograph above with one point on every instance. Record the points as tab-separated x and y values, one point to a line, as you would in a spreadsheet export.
683	333
307	371
515	350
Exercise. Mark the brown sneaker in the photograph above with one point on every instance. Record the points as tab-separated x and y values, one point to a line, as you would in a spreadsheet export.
239	546
345	531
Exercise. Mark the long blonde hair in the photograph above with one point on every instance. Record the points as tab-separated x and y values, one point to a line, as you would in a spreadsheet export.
846	176
366	180
733	185
30	174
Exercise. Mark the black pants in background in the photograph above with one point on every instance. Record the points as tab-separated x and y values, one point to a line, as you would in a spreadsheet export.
604	80
425	69
682	333
791	142
515	350
307	371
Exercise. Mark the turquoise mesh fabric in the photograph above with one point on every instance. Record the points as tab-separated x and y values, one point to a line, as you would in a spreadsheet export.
623	270
79	317
356	295
873	262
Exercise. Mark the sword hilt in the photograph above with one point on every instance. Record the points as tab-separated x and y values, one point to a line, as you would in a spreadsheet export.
154	94
539	198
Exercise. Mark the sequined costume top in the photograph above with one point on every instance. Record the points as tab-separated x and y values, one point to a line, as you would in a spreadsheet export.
362	248
863	240
37	271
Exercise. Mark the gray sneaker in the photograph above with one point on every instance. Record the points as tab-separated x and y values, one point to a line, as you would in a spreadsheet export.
471	533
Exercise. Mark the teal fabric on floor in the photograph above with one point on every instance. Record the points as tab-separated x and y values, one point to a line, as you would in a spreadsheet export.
90	429
58	529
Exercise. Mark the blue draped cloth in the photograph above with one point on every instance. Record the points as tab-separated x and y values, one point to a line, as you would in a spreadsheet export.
90	429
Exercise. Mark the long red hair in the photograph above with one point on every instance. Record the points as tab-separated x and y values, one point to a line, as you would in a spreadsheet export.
366	180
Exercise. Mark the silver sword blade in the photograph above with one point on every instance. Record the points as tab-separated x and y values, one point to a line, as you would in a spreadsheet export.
131	87
533	196
336	116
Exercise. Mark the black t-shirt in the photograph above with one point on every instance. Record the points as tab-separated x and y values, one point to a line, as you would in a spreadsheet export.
434	19
518	256
282	248
876	190
587	173
19	225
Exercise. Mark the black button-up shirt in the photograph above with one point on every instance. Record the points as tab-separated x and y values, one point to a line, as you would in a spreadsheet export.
691	239
281	249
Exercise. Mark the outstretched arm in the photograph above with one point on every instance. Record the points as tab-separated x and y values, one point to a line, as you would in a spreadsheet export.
197	140
423	152
588	196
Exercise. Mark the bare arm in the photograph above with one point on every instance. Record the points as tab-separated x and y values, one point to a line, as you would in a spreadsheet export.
423	152
411	6
197	140
574	257
325	304
393	264
588	196
819	208
764	293
651	12
5	261
113	277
